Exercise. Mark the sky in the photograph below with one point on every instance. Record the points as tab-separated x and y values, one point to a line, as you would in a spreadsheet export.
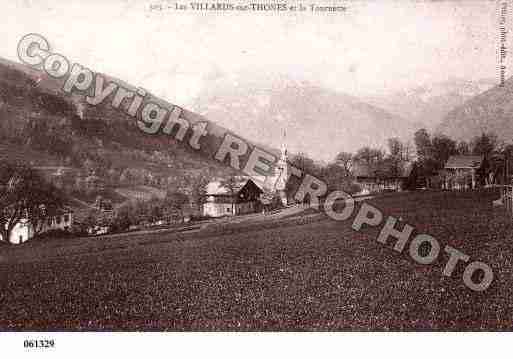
374	47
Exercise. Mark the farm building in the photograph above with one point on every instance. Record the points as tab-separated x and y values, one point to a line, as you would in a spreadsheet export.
463	172
374	178
238	196
24	230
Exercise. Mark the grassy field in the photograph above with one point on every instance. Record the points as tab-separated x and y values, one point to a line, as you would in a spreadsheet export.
298	273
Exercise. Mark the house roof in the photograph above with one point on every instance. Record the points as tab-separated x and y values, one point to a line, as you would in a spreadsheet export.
364	170
65	210
215	187
61	211
464	161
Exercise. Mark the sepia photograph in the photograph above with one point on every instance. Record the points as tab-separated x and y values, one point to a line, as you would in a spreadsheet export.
234	168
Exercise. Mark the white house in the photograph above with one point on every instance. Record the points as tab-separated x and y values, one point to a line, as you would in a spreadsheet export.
246	196
243	198
463	172
24	230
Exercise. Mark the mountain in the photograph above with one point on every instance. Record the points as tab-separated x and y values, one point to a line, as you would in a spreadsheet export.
42	125
316	120
490	111
429	104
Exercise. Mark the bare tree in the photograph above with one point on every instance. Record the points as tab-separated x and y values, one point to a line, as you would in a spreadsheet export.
345	160
231	184
198	189
25	195
369	156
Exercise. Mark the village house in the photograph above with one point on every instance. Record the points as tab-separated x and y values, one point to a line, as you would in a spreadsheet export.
374	178
24	230
241	198
463	172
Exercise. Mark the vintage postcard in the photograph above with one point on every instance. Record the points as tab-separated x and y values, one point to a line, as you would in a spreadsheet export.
255	166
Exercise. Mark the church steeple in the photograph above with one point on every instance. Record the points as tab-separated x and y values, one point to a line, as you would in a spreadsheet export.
283	147
282	171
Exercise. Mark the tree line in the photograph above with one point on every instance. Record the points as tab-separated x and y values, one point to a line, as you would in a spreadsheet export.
426	156
341	172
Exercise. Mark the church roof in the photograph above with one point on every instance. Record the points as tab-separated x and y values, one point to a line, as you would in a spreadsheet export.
383	169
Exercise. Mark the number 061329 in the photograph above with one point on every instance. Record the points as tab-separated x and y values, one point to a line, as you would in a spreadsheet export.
39	343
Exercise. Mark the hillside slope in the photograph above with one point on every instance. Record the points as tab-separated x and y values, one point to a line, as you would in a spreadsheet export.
40	123
36	115
490	111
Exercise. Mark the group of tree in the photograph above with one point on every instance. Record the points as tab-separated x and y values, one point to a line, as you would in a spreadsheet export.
172	208
336	174
433	151
339	174
25	195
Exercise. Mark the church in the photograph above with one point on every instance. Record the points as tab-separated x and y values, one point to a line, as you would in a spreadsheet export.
278	181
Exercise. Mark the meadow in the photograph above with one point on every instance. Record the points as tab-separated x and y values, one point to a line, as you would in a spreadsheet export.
304	272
